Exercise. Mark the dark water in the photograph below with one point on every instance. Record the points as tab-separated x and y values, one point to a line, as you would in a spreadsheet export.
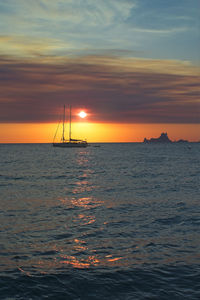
121	221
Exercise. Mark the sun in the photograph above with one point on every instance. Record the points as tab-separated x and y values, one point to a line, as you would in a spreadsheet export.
82	114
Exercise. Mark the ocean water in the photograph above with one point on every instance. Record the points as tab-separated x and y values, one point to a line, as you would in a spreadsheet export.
119	221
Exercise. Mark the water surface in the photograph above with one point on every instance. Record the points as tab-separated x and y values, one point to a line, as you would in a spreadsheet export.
119	221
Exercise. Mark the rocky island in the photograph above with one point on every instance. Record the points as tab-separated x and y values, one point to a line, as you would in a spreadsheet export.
163	138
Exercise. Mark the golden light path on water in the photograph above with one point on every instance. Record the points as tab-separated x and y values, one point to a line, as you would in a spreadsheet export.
86	218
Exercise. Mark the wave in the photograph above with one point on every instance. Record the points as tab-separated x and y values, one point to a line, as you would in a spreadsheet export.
166	282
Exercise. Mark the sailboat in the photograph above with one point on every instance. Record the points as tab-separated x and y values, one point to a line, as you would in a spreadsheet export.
70	142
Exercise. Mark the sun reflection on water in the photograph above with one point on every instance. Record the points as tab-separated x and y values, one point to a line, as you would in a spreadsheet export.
86	220
80	263
85	202
87	249
90	261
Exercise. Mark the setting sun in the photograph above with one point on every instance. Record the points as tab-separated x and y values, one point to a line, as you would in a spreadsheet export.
82	114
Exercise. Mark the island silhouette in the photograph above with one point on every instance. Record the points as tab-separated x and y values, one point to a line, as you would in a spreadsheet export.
163	138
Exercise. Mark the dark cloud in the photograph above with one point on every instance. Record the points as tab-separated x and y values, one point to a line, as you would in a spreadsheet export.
111	90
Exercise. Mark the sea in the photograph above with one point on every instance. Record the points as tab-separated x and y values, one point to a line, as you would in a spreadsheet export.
110	221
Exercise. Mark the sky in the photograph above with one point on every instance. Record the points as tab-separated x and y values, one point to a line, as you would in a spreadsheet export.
132	64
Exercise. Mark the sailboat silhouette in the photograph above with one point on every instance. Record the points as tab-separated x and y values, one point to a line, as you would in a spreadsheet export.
64	143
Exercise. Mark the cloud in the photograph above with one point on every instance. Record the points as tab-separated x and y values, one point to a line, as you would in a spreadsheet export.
22	46
165	31
156	30
84	12
112	89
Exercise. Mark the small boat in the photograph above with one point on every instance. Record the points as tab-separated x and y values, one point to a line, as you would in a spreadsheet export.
70	143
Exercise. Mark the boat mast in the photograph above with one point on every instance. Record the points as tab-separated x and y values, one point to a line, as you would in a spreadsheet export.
70	119
63	137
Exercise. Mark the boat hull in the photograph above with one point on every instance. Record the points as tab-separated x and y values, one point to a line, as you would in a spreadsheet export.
70	145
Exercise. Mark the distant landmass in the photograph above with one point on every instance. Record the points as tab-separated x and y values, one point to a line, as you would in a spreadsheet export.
163	138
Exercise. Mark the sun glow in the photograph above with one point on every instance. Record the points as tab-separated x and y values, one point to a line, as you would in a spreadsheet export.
82	114
96	132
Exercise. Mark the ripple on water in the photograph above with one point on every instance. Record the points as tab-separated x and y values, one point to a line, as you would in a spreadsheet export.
140	283
115	222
